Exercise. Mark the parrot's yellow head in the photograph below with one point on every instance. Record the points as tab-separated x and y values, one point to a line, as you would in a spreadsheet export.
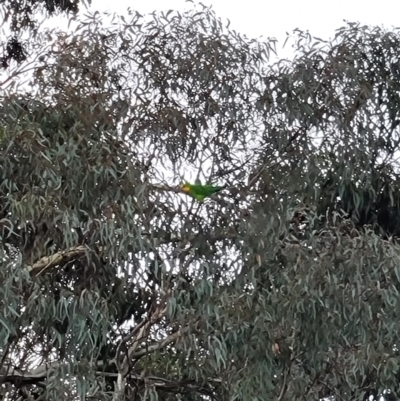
185	188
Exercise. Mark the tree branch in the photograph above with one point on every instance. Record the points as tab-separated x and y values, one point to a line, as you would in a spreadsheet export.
62	257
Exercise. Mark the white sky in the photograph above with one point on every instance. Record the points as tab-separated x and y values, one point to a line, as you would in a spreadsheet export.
266	18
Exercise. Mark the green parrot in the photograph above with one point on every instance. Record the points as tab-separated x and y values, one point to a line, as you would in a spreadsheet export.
199	191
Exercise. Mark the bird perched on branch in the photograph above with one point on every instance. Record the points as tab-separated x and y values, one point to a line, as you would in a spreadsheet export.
199	191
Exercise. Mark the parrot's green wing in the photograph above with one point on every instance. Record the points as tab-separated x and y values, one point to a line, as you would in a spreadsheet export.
200	192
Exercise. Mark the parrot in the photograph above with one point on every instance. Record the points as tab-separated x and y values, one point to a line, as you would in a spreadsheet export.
199	191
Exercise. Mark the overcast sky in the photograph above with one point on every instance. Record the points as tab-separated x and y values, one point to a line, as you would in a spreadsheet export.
276	17
267	18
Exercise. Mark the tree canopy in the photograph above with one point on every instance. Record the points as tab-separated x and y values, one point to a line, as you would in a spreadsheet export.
283	286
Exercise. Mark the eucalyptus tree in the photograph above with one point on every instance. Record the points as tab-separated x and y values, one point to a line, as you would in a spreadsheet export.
285	285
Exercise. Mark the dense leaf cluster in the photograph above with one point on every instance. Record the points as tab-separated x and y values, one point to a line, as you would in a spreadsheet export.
284	286
21	16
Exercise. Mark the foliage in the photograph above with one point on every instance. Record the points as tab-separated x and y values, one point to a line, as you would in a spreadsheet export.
22	16
284	286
